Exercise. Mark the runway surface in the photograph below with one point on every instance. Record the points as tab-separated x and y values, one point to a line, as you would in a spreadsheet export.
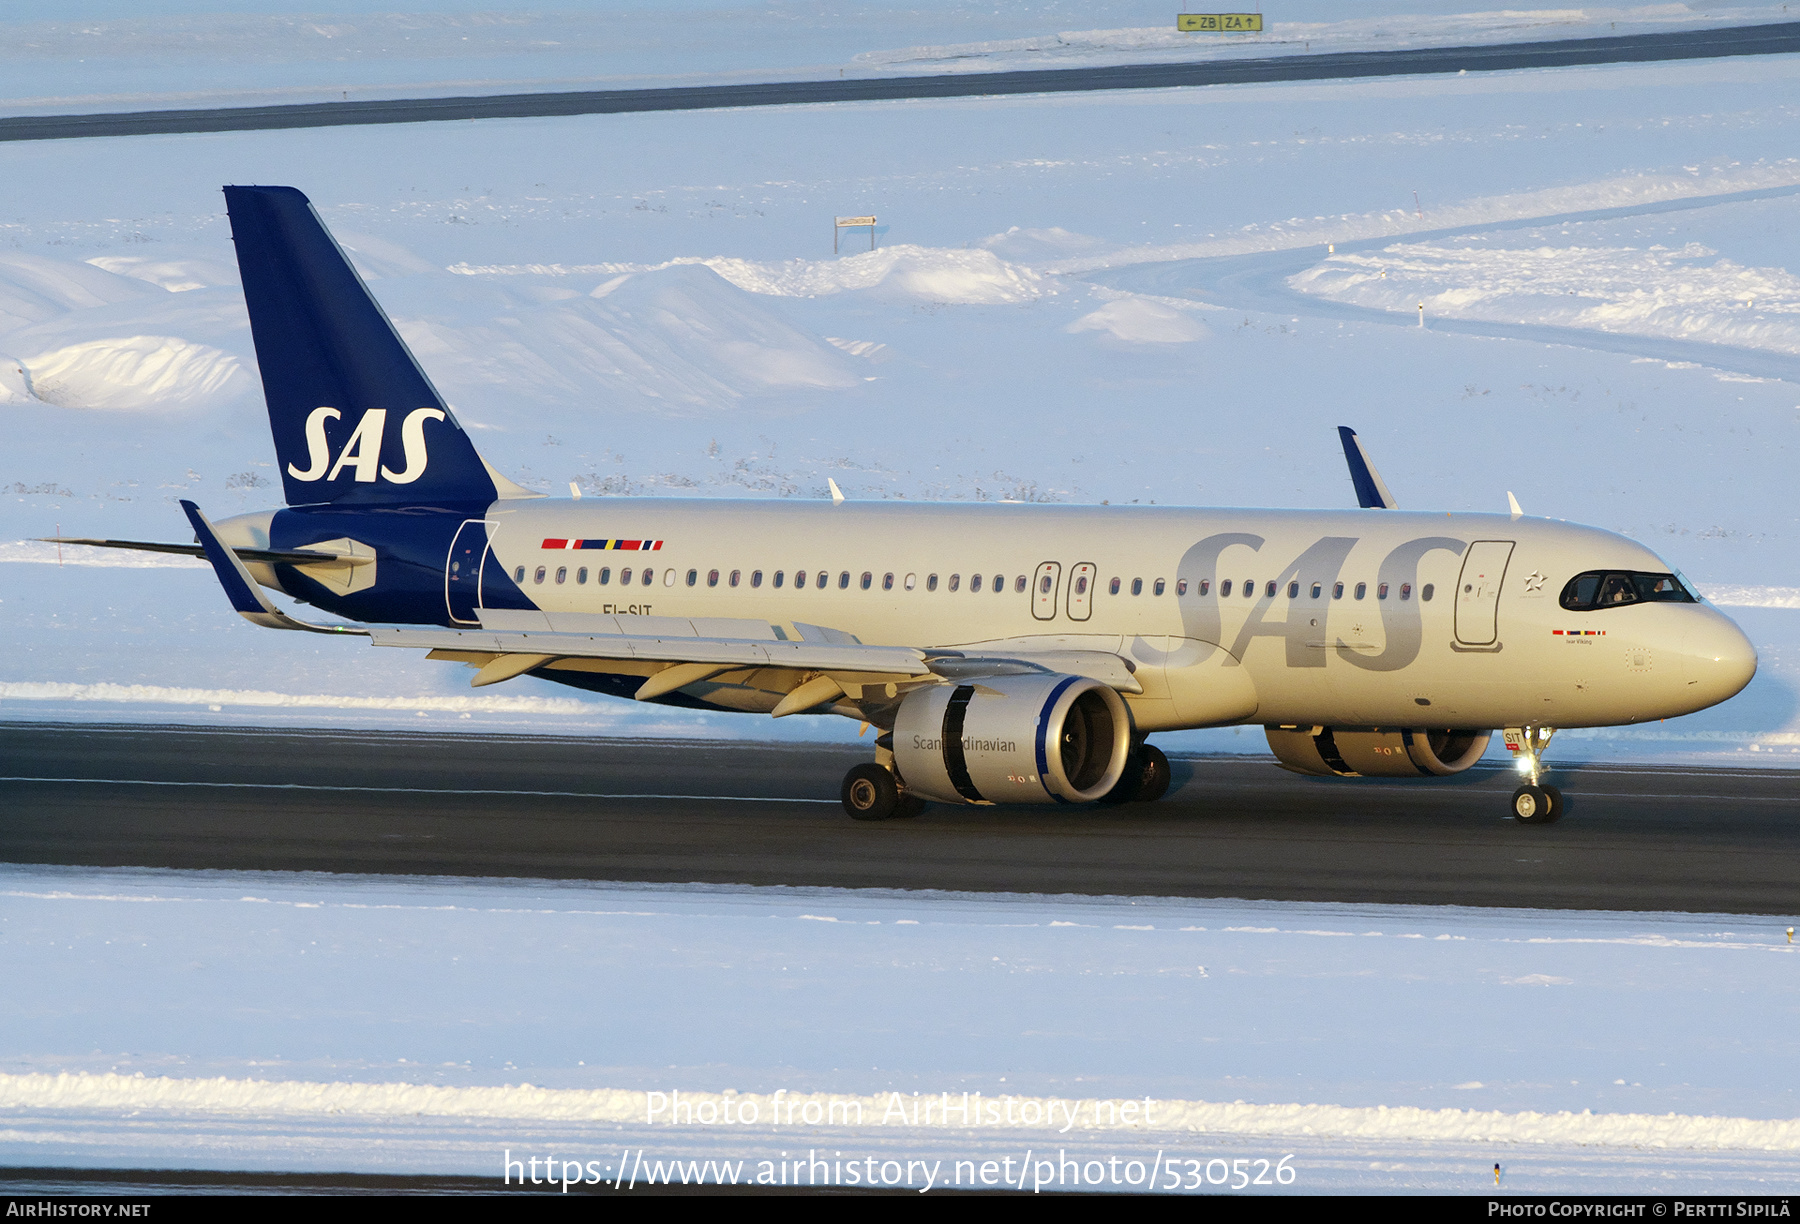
1769	39
1636	838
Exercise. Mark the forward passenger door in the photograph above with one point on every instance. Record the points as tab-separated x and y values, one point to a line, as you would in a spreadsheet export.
1478	593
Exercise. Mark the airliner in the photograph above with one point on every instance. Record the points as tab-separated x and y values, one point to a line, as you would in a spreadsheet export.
1003	653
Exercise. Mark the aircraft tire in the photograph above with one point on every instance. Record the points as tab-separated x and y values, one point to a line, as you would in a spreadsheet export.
1153	774
1145	780
910	805
870	793
1537	804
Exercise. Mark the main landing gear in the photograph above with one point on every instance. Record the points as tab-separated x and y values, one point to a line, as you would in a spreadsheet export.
1533	803
871	793
1146	777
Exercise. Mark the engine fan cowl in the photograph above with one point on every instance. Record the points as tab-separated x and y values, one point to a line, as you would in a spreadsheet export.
1040	738
1376	753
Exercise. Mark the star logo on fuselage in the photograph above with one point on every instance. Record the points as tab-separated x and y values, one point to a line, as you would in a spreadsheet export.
1534	582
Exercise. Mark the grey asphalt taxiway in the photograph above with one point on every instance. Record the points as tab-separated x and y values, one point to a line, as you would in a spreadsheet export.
1636	837
1775	38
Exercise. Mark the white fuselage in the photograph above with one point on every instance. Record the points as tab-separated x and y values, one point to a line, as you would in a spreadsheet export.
1281	617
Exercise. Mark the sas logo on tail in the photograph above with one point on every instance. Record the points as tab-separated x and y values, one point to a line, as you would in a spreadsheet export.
362	453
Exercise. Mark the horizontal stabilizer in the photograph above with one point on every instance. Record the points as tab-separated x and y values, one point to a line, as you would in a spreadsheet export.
262	556
241	589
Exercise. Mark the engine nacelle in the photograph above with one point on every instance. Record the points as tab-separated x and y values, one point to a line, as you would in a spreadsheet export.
1035	738
1334	751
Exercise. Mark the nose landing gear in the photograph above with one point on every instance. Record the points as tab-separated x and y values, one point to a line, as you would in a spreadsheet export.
1533	803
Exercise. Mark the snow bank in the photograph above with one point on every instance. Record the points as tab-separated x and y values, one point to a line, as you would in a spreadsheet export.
1140	320
678	340
958	276
134	372
174	275
51	690
886	1111
34	288
1685	293
1754	596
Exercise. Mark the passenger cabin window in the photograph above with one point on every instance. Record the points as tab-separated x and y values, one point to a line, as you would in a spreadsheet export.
1081	584
1159	587
824	578
912	580
1406	590
581	576
1337	590
625	576
999	584
1225	588
799	580
1317	589
1180	587
1112	587
668	578
519	574
1249	588
1293	590
539	575
975	584
778	579
1596	590
1137	586
755	578
1362	588
1019	585
712	578
1381	591
1205	584
735	575
1426	592
887	582
605	574
868	580
955	581
1270	590
931	582
693	577
562	574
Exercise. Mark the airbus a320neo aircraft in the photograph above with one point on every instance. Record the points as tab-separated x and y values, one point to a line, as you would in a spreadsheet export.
1006	653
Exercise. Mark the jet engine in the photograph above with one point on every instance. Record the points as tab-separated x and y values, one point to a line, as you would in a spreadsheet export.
1378	753
1036	738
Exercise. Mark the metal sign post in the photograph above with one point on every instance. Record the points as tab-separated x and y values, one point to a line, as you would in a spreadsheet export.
844	223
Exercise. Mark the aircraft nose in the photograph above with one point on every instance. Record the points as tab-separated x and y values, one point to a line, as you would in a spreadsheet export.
1718	660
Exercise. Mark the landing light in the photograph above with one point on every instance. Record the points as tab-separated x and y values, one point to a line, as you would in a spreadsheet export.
1522	764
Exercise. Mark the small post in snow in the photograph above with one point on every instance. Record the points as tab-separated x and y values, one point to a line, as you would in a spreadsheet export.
1421	314
844	223
59	566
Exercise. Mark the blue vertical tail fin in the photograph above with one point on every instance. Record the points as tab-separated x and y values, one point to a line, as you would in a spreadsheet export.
355	419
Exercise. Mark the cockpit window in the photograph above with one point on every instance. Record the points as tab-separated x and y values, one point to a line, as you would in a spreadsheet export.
1592	591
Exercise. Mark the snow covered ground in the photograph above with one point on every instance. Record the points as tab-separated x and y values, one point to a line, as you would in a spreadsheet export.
229	1020
1166	297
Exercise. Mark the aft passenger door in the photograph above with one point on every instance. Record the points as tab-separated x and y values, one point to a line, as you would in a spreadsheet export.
462	572
1081	591
1043	590
1478	593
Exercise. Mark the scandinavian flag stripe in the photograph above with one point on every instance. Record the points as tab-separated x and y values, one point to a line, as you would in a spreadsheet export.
622	545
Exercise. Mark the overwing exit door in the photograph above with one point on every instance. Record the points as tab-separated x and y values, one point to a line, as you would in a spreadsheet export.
1081	591
1478	592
